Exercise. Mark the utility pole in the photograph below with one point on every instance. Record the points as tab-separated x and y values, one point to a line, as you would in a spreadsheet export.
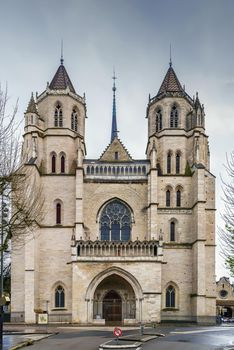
4	222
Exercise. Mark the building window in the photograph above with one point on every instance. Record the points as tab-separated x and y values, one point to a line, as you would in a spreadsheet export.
223	293
116	155
169	162
58	116
178	198
115	222
177	163
58	213
62	164
158	120
172	231
174	117
53	163
168	198
74	120
170	296
59	297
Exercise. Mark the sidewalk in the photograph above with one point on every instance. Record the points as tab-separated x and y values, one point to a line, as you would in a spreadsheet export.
13	341
16	336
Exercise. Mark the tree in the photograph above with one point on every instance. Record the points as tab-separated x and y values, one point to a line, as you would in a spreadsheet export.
226	235
21	202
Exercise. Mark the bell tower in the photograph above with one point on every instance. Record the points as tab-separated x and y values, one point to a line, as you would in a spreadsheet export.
181	196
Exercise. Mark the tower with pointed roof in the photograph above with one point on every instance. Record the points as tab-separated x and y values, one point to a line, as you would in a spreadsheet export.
182	202
122	240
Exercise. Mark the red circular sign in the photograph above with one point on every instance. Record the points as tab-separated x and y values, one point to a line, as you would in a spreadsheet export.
117	332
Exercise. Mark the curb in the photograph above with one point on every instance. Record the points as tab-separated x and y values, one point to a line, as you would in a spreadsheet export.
29	342
21	345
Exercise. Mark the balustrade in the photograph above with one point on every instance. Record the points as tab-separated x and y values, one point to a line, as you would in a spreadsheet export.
116	248
121	170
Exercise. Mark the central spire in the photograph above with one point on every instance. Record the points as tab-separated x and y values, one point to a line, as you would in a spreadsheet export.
114	131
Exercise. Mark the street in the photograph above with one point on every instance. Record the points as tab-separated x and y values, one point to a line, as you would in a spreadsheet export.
180	338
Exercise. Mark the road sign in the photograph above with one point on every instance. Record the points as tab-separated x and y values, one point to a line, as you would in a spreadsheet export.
117	332
42	318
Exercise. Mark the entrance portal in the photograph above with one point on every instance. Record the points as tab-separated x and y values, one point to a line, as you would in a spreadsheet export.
114	300
112	307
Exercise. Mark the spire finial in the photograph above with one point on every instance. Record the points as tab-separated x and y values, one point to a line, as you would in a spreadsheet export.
114	79
61	59
114	131
170	63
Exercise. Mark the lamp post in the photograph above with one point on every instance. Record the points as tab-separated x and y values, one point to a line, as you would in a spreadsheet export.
1	280
47	314
4	217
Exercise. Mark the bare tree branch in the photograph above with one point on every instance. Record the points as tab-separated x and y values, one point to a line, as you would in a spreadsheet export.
21	202
226	235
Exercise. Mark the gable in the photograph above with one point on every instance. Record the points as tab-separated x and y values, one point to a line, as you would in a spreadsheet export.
115	152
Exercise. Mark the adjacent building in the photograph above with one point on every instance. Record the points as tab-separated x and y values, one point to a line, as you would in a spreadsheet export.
225	297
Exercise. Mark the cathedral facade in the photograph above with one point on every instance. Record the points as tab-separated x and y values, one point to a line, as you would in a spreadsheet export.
121	240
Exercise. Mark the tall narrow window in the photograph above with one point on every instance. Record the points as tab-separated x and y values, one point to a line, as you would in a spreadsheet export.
62	164
58	213
174	120
58	116
169	162
170	296
168	198
172	231
177	163
59	297
53	163
158	120
74	120
178	198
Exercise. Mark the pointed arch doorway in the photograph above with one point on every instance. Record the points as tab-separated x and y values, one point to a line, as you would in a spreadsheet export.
114	300
112	307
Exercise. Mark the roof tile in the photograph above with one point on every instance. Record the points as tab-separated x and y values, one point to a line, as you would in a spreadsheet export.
61	80
170	83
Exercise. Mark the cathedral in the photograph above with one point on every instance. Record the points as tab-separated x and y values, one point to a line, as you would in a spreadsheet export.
122	240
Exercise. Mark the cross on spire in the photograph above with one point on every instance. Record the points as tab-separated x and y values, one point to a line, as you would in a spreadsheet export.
61	59
114	79
170	63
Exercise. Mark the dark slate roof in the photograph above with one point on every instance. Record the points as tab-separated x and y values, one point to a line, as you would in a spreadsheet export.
170	83
61	80
32	108
32	160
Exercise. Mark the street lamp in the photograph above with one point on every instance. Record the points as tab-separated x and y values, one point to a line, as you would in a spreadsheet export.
4	222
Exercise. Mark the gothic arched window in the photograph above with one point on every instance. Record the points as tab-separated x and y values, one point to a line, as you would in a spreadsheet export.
158	120
58	115
62	164
172	231
177	163
74	120
115	222
169	162
58	213
178	198
170	296
174	117
168	198
53	163
59	297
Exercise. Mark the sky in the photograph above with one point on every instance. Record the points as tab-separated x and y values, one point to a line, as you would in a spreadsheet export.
134	36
